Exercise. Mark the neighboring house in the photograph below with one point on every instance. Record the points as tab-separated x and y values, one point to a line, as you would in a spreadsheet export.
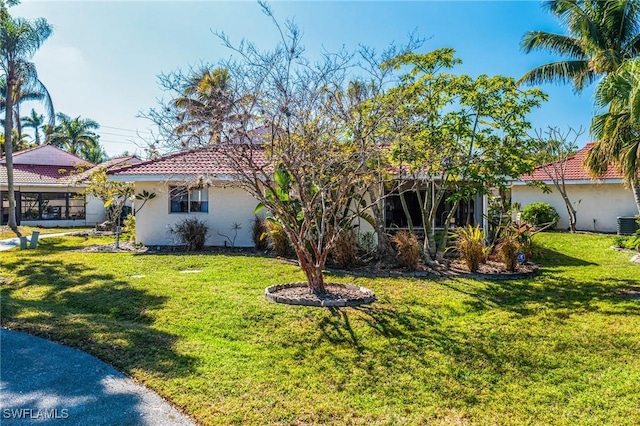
47	183
197	183
598	203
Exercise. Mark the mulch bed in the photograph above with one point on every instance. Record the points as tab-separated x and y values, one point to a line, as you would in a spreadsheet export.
489	270
335	295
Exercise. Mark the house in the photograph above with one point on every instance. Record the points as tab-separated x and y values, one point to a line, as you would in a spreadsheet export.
194	183
47	183
598	203
199	183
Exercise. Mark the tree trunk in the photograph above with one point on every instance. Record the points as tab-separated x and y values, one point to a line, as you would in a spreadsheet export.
571	211
406	211
635	188
8	143
311	269
445	236
384	250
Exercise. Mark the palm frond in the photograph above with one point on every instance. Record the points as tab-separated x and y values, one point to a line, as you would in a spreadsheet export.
555	43
574	72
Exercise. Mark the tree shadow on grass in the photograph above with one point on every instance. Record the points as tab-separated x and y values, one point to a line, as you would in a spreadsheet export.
558	295
71	303
551	258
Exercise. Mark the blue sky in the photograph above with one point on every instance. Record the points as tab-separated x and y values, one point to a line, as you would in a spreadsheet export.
103	57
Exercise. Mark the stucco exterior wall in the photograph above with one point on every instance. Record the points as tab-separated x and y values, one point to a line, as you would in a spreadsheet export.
598	205
226	206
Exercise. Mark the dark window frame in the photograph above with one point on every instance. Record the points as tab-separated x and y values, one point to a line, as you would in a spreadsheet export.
181	200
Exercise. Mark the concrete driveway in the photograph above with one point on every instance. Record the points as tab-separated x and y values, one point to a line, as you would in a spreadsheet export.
42	382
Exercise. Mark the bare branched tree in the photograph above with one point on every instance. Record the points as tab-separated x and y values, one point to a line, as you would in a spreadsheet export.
554	150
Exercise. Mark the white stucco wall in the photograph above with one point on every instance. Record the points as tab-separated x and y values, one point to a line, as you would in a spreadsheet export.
226	206
598	205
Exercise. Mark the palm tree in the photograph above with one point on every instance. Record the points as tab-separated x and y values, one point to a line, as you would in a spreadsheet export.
33	90
34	120
74	134
94	153
601	36
618	129
204	106
19	40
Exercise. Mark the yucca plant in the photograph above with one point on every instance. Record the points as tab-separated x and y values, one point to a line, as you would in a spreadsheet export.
469	243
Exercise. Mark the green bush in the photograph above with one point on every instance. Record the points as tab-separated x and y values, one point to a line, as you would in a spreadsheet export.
367	242
538	214
408	249
130	226
633	242
469	243
191	232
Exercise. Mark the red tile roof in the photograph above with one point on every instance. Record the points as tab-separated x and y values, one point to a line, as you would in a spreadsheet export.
575	169
36	174
209	160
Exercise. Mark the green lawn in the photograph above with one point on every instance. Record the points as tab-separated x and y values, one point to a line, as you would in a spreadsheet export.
6	232
562	348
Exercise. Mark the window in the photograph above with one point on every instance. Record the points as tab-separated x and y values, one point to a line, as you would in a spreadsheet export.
51	206
185	200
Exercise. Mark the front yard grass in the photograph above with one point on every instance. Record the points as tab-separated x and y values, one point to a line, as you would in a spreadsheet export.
561	348
6	232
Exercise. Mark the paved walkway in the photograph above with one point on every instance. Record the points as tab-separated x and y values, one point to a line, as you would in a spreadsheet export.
15	242
42	382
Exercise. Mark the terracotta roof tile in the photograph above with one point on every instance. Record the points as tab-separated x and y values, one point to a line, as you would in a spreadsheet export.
36	174
209	160
575	169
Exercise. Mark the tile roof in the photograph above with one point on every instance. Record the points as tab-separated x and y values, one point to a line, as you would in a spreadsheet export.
209	160
36	174
575	169
113	164
24	174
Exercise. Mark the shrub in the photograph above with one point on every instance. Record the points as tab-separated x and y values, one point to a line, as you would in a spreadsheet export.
279	240
345	250
538	214
367	242
507	251
408	249
633	242
130	225
260	234
191	232
469	243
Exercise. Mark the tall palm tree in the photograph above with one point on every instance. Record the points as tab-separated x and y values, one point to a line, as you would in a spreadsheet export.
204	106
74	134
33	90
34	121
601	36
19	40
618	129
